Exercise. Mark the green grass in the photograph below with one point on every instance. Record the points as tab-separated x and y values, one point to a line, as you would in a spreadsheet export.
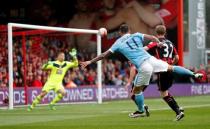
110	115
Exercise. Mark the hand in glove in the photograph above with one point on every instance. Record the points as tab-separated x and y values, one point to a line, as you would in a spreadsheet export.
73	52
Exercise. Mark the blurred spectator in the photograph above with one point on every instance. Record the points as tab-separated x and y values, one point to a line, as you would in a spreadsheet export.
165	14
37	82
70	83
15	82
112	15
83	19
140	15
115	72
4	83
42	13
16	74
202	70
119	81
91	77
79	79
208	74
20	82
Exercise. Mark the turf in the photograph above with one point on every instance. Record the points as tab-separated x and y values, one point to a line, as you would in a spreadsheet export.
110	115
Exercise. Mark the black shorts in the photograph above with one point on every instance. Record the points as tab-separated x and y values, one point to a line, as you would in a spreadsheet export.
164	81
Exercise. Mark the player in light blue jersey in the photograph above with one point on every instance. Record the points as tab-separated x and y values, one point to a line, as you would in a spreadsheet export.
131	46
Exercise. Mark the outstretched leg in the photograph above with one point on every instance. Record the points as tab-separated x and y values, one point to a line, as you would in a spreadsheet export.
60	93
183	71
37	100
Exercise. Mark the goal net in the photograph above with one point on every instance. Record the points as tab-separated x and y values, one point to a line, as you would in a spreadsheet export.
30	46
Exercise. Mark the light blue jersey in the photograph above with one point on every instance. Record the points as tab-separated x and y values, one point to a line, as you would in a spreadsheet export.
131	46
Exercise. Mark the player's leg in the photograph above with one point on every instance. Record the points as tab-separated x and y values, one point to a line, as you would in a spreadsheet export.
169	99
139	97
133	95
183	71
165	81
60	93
141	82
161	66
37	100
139	101
146	108
47	87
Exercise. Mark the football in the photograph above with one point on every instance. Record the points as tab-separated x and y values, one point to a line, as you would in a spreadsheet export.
103	31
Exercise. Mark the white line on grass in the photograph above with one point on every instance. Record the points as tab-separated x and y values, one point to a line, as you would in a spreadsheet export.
31	119
160	109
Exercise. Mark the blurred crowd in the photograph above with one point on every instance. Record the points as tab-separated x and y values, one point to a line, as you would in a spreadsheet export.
41	49
140	15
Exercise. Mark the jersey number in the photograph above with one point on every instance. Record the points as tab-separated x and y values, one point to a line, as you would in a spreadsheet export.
130	44
168	50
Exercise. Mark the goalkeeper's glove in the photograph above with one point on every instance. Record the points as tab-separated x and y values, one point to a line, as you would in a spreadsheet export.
73	53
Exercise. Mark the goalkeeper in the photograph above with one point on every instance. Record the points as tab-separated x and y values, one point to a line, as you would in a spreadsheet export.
58	70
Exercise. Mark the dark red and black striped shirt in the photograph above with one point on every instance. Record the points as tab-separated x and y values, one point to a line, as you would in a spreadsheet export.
166	52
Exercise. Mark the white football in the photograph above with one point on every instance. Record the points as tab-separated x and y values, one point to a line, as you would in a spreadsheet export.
103	31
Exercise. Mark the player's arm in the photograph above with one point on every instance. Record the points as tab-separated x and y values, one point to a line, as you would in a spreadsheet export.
100	57
153	39
74	62
131	76
150	46
175	59
175	56
47	66
113	49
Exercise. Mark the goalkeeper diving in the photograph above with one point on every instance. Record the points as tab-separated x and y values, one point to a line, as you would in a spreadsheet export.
54	82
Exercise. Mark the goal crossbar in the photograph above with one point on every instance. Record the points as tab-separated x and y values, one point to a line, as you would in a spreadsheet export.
60	29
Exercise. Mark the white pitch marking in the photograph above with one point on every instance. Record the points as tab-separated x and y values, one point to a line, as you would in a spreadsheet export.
160	109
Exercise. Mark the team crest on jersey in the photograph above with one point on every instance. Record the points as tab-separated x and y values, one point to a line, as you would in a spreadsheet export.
59	71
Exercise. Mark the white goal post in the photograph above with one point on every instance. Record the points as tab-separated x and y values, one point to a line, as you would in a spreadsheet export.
61	29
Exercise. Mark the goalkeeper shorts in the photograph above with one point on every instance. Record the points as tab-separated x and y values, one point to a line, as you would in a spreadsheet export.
56	88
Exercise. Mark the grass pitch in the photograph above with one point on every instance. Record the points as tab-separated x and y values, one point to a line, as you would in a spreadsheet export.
110	115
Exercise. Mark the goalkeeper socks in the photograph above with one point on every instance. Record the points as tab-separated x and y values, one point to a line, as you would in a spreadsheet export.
139	99
36	101
182	71
57	98
172	103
